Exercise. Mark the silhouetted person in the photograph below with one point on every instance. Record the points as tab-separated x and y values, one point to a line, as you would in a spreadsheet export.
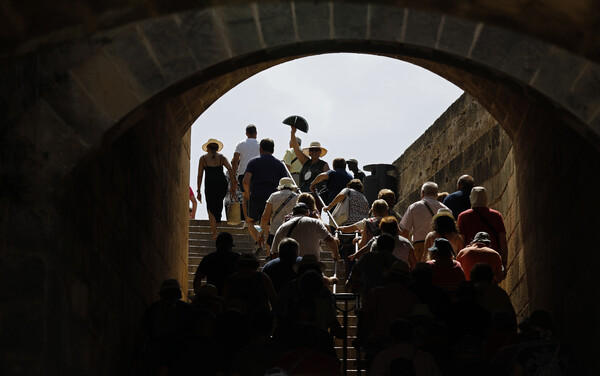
489	295
249	290
197	352
421	285
382	306
256	358
281	269
369	271
163	322
459	201
216	266
357	172
465	316
403	358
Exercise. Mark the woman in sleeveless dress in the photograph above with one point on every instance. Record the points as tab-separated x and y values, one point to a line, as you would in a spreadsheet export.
215	185
310	158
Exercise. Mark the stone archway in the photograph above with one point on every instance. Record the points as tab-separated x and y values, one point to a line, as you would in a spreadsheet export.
88	119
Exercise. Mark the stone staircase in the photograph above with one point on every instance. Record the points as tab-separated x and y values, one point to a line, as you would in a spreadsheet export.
200	244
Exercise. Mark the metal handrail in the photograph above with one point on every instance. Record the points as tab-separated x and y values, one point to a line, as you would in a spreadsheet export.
347	297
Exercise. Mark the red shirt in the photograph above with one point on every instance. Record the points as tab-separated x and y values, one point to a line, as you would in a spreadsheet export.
470	223
447	277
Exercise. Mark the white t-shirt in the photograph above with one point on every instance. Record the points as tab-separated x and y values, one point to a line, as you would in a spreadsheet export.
248	149
308	233
418	218
276	200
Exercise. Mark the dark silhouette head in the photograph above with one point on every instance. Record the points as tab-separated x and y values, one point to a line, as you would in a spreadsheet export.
385	243
267	145
288	250
481	273
224	242
251	131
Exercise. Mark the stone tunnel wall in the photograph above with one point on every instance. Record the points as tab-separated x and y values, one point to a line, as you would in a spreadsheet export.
466	139
132	235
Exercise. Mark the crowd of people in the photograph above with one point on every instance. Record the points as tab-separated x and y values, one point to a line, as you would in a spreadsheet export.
427	281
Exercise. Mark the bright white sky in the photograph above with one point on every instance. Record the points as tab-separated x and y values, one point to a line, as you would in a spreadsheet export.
358	106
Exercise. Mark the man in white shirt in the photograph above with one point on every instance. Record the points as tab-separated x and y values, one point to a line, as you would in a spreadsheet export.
244	151
308	232
417	219
292	163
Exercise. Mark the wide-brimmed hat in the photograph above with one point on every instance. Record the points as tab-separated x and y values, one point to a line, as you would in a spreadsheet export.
288	183
482	237
315	145
297	121
309	261
212	141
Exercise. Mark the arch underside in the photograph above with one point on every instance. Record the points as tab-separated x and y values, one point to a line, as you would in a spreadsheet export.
96	144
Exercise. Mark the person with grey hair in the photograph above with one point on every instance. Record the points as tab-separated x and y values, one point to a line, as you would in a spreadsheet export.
417	218
481	218
292	163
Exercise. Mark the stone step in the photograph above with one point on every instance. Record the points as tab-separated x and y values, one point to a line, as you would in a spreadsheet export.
239	241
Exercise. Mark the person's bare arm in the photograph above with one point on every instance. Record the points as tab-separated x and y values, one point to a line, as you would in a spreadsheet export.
322	176
348	229
332	245
302	158
235	162
326	167
358	254
405	233
199	181
246	182
264	222
232	176
194	206
339	198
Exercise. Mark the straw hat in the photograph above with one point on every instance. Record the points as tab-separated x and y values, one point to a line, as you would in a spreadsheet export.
212	141
316	145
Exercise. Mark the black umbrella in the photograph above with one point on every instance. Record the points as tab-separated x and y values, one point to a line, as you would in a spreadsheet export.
297	121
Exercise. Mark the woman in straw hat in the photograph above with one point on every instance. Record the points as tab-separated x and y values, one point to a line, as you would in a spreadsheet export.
215	186
312	164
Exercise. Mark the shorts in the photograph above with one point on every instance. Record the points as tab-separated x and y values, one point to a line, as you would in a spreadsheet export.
256	206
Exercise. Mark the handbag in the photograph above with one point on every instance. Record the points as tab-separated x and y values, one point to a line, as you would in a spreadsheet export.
234	216
341	211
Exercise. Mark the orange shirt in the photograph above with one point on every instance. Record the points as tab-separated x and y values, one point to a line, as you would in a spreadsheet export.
476	253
